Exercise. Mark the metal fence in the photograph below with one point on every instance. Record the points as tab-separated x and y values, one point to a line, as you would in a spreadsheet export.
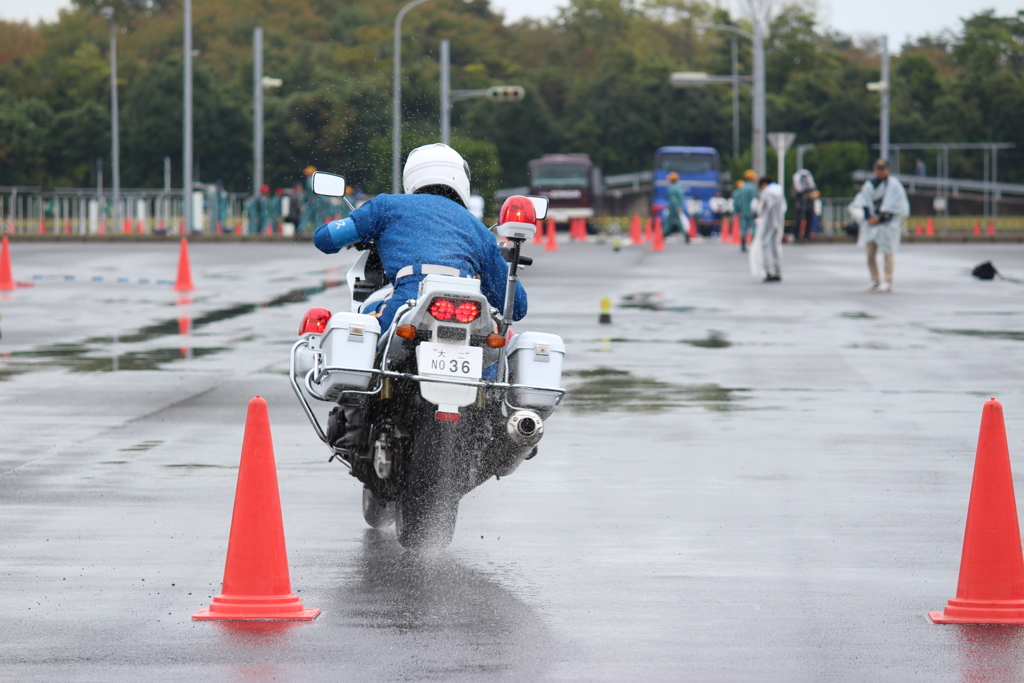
79	211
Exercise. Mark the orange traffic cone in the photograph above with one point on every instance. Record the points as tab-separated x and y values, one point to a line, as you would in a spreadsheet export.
929	229
977	228
693	228
552	244
127	226
256	580
635	236
659	238
184	283
736	237
103	226
6	276
918	231
140	226
991	228
67	225
42	225
238	227
724	236
991	585
538	236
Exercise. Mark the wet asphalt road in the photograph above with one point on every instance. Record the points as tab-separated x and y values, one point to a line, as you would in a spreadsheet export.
753	482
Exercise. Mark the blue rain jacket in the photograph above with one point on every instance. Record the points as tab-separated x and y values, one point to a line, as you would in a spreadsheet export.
421	229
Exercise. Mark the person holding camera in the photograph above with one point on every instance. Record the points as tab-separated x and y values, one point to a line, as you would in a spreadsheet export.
879	209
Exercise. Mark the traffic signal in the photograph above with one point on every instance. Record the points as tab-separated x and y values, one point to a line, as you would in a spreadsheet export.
506	92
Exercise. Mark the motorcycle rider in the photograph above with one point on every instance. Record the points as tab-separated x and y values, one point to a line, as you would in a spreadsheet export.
427	230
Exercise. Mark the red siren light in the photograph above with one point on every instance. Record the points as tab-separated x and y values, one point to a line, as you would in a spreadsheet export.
518	209
315	321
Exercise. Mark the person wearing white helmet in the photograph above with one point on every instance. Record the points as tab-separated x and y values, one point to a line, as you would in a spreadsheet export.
426	230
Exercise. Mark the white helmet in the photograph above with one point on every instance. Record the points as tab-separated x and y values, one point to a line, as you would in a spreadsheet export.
436	164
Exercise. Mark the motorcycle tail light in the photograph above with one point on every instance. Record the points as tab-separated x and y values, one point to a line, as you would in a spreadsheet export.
467	311
442	309
315	321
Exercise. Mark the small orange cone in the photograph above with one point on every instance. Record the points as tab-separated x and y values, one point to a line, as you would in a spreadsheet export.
693	228
552	243
184	283
67	226
635	236
991	585
929	229
991	228
42	225
103	226
140	227
238	227
659	238
724	236
977	228
256	580
736	237
538	236
127	226
918	230
6	276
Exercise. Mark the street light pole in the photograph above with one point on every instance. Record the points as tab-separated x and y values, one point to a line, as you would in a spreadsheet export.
186	156
883	134
735	98
257	110
446	103
759	126
396	97
115	138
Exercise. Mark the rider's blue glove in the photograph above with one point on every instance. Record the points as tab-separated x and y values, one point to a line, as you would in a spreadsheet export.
331	237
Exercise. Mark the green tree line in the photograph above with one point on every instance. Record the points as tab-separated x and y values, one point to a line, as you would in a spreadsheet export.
596	79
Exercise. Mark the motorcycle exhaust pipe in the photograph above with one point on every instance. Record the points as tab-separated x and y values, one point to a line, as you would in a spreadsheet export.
525	427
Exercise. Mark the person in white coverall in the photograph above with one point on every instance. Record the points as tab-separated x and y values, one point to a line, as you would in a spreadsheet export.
766	250
880	208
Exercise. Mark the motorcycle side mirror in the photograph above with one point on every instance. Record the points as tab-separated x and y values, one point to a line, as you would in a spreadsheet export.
328	184
540	206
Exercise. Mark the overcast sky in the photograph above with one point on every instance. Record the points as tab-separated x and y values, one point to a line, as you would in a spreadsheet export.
898	18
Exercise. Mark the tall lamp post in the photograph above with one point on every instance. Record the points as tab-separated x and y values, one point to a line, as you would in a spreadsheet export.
758	87
396	98
882	87
115	143
186	155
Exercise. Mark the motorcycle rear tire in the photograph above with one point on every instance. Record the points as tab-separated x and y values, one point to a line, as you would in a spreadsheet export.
426	512
377	513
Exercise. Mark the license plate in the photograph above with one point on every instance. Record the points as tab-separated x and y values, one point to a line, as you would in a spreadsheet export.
449	360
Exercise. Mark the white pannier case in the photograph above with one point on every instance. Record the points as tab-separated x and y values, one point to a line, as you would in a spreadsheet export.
535	359
350	341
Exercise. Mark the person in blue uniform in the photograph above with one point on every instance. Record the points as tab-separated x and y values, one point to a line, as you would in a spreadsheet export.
427	230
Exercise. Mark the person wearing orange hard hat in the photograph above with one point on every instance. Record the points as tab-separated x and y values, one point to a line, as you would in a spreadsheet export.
676	219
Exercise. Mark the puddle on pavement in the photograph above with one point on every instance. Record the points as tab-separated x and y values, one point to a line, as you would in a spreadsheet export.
714	340
607	389
651	301
190	465
857	315
140	447
94	354
985	334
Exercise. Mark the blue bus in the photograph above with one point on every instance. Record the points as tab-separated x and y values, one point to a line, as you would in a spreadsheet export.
699	174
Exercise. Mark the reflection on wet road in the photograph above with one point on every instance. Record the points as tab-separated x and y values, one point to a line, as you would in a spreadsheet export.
610	390
453	621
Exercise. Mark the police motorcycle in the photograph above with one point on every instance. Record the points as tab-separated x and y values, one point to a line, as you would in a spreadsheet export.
439	403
